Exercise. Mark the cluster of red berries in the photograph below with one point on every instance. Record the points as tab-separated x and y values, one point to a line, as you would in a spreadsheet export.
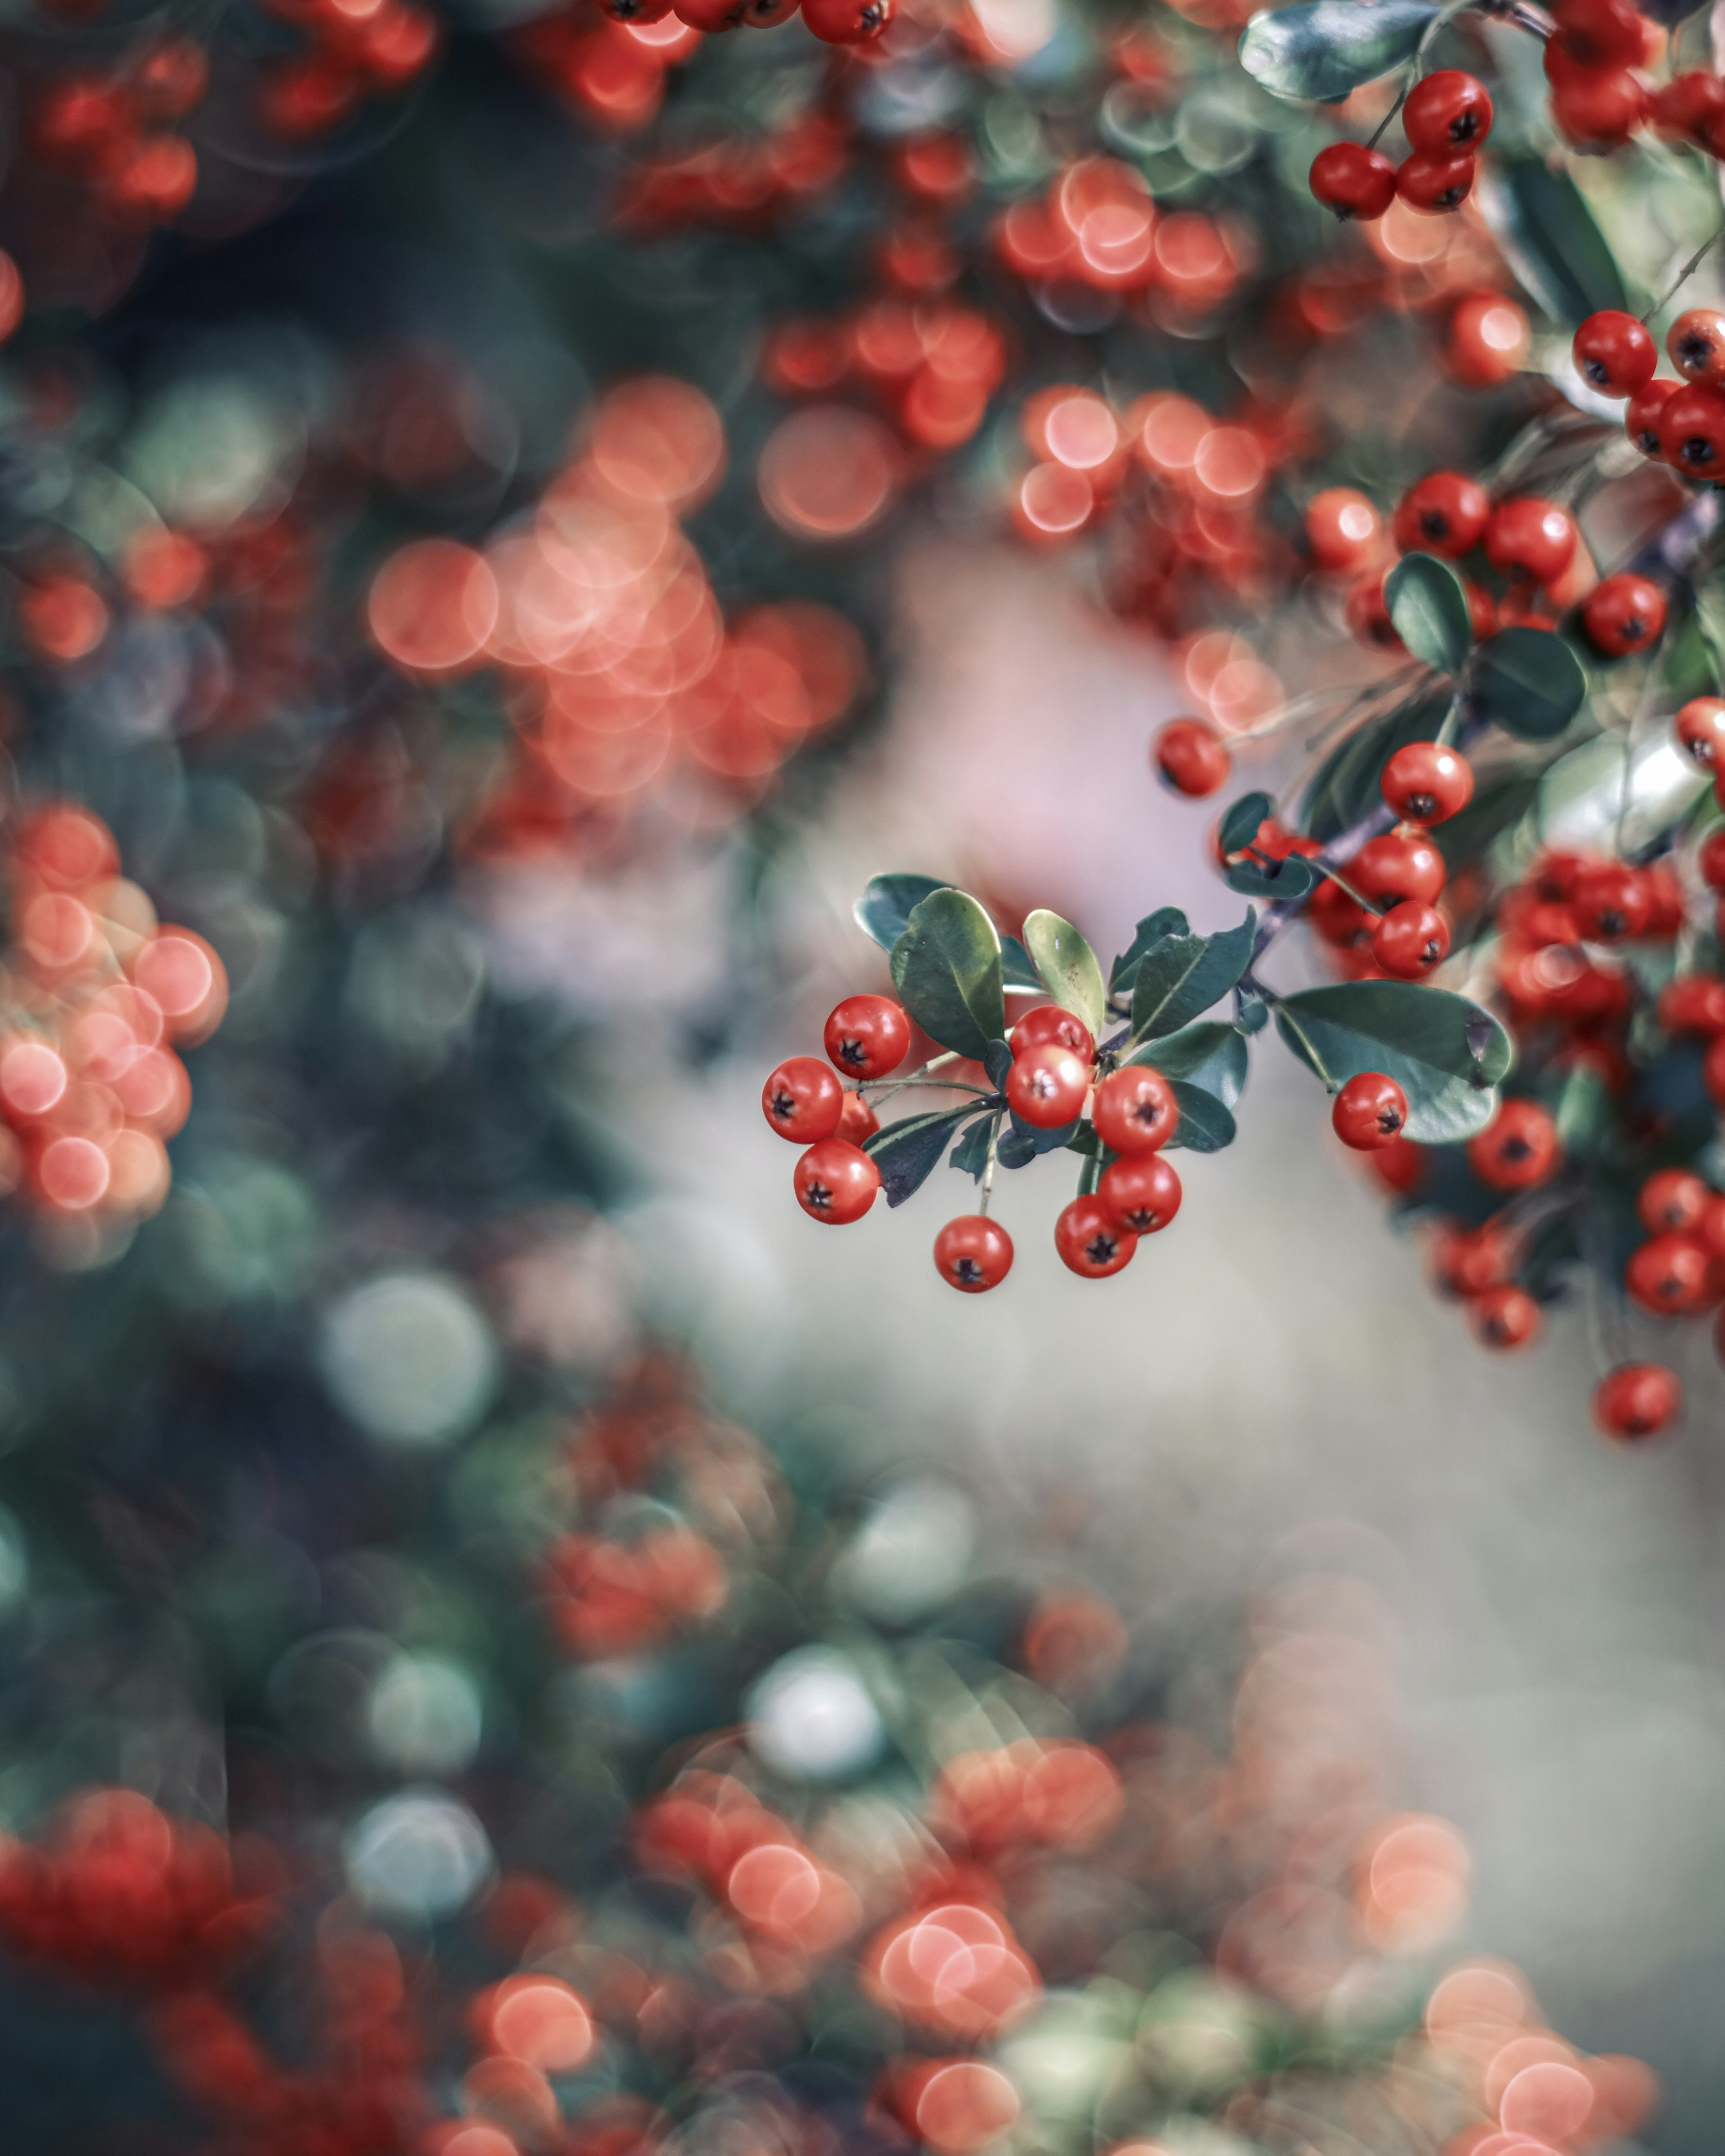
1680	423
1446	117
349	55
932	365
1055	1078
834	22
113	133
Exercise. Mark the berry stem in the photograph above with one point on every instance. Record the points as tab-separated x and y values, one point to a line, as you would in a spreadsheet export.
988	1190
1091	1174
1684	275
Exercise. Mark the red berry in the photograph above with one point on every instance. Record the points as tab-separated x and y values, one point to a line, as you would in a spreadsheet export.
1354	180
1597	111
1398	1166
1048	1022
1427	784
867	1036
1636	1400
836	1182
1342	527
1614	353
1339	919
1410	939
1141	1191
847	21
1696	343
1436	183
1090	1242
1505	1317
1685	108
644	12
802	1101
1046	1086
973	1253
1701	728
1134	1110
1518	1149
708	16
1466	1263
1447	111
858	1120
1642	421
767	14
1599	34
1445	513
1669	1276
1369	1112
1192	756
1611	902
1713	1070
1398	864
1532	535
1622	614
1673	1201
1692	429
1710	861
1694	1003
1488	340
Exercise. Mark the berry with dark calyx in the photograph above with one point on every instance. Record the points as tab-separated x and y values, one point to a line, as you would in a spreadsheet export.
847	21
1353	181
1696	345
1711	860
1437	183
803	1100
1369	1112
1614	353
1624	613
1699	727
1637	1400
708	16
1337	918
1467	1262
1693	1004
1192	756
1398	864
767	14
835	1182
1048	1022
1505	1317
1692	429
1134	1110
1445	513
858	1120
1668	1275
1671	1202
1090	1242
1446	111
1642	421
1517	1148
1142	1191
1046	1086
1686	108
1342	528
1597	111
972	1253
1597	34
867	1036
1535	536
1611	902
1410	939
1425	784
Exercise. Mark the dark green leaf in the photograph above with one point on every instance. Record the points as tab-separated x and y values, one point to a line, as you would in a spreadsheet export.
1015	965
970	1153
1547	235
1205	1125
1023	1142
1185	974
997	1061
1466	835
884	910
1239	826
1429	609
1324	48
1347	782
1293	879
947	969
1529	682
1254	1014
906	1152
1165	921
1067	966
1445	1053
1206	1067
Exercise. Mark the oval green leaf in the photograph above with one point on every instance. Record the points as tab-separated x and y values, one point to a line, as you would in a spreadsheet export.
1323	49
1239	825
1445	1052
1529	682
884	910
1542	222
1429	609
906	1152
1185	974
1068	966
947	969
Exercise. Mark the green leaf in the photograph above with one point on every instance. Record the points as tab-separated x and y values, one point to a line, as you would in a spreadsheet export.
1289	881
906	1152
1206	1067
1254	1014
1324	48
1445	1053
1206	1124
1529	682
1429	607
970	1153
1165	921
1546	233
1239	826
1493	810
1068	966
1185	974
884	910
947	969
1022	1142
1347	783
997	1061
1016	969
